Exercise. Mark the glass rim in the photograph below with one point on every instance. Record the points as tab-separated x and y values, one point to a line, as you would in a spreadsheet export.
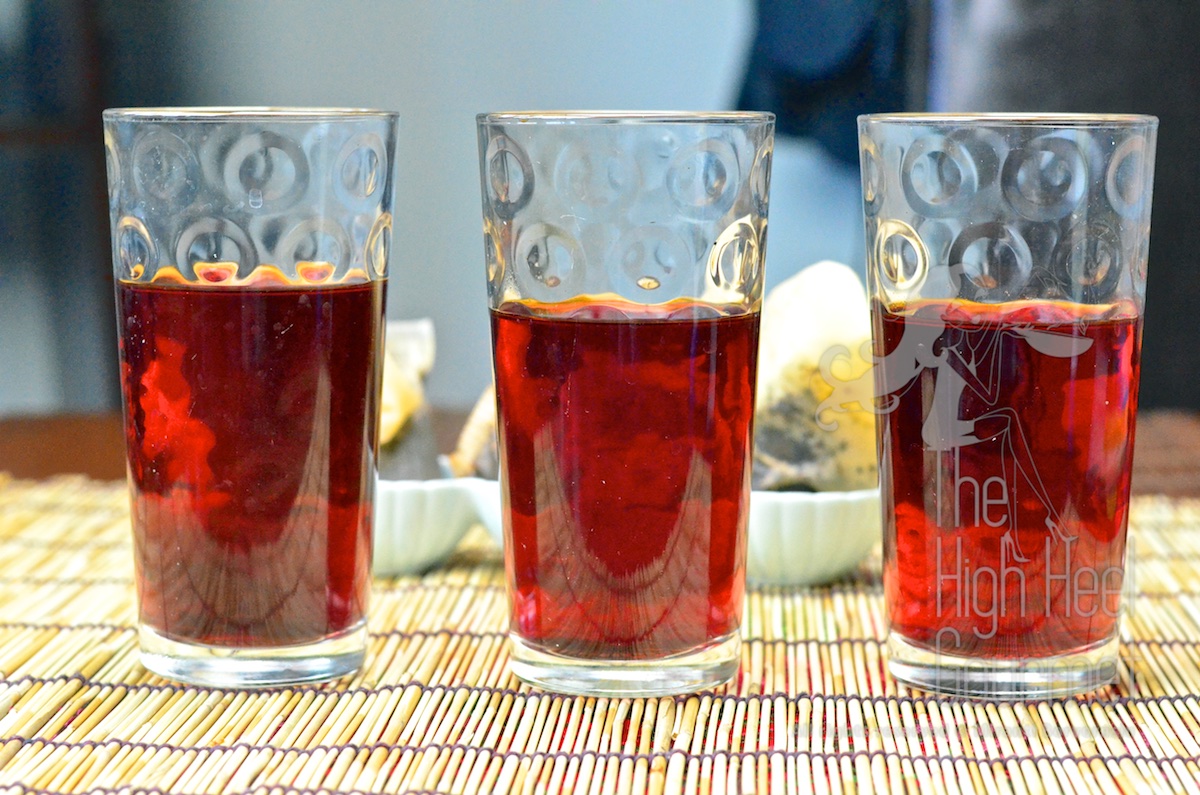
227	113
569	117
1011	119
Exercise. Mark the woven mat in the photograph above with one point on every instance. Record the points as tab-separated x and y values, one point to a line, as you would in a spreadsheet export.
436	709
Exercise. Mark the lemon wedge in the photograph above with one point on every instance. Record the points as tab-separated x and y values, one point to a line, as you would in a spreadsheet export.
402	396
407	359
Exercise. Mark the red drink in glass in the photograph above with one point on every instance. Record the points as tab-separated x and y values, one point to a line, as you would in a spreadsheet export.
1007	433
625	440
250	421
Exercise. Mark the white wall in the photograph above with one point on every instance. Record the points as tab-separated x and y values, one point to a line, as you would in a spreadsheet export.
28	381
438	64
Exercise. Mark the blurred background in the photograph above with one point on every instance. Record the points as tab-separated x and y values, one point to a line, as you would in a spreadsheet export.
816	63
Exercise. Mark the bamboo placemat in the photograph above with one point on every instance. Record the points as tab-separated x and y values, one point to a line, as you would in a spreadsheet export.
435	709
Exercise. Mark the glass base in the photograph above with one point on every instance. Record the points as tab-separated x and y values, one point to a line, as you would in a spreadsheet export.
975	677
255	666
710	666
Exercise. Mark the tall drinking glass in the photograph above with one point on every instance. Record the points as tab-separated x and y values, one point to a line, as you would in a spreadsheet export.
1007	268
250	250
624	265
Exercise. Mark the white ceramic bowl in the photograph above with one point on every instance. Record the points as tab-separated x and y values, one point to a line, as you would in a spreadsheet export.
795	538
418	523
806	538
485	494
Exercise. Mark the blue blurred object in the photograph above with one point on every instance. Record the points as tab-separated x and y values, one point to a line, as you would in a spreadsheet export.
818	64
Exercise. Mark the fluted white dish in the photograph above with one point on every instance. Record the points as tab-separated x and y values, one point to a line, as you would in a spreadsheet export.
809	538
418	523
795	538
485	494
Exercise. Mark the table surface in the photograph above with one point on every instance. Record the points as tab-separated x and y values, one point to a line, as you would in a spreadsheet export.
436	709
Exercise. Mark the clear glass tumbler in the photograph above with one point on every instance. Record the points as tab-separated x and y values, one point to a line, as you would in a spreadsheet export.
624	258
250	252
1007	269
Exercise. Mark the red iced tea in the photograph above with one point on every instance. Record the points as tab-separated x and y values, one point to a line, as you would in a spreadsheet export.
250	421
625	439
1006	442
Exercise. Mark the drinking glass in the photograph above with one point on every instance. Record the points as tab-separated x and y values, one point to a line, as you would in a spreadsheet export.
624	257
1007	270
250	252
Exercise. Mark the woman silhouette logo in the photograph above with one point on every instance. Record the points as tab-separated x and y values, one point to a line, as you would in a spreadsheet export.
964	367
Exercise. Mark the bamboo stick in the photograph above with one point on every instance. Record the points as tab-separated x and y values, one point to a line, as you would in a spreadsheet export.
813	707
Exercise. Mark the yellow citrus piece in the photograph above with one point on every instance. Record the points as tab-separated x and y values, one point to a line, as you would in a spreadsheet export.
402	396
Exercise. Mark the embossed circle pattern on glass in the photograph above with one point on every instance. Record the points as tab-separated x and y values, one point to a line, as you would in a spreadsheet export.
1058	202
647	206
238	184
